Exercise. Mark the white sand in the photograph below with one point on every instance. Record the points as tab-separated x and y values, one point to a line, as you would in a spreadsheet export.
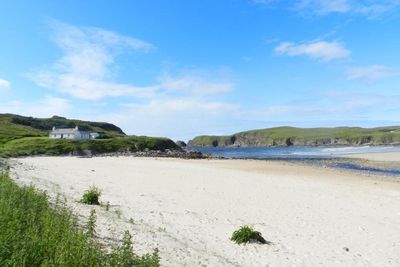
189	209
389	156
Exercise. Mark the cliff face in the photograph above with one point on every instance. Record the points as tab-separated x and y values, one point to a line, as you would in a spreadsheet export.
290	136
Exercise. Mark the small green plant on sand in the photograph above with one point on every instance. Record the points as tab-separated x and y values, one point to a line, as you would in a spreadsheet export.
123	255
247	234
91	196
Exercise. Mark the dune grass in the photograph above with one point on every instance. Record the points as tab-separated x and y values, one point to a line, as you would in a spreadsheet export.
247	234
91	196
36	233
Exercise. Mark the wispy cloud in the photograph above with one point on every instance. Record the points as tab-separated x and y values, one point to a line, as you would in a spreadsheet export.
84	70
321	50
196	84
46	107
323	7
369	8
4	83
372	73
331	106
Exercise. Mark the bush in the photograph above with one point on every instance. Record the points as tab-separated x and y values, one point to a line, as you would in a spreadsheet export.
35	233
247	234
91	196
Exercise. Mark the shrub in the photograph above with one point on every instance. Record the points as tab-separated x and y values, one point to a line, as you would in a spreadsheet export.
91	196
35	233
247	234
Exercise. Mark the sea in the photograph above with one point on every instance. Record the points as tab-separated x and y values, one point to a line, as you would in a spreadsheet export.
291	152
334	157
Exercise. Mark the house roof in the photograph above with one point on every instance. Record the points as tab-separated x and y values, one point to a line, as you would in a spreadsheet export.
67	131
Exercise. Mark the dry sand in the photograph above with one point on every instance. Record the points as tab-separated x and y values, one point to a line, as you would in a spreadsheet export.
189	209
390	156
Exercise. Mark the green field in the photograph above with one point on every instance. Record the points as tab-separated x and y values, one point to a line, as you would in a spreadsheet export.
26	136
291	136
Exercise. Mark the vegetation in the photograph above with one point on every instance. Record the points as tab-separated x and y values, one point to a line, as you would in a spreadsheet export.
91	196
53	147
291	136
27	136
35	233
15	126
247	234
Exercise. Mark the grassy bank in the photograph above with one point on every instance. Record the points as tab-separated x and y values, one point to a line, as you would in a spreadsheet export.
45	146
15	126
291	136
35	233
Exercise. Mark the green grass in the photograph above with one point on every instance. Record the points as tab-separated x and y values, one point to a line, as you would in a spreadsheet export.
247	234
285	136
53	147
35	233
10	131
27	136
91	196
15	126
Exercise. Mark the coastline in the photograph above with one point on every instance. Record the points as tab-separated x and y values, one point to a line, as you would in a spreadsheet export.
189	208
383	157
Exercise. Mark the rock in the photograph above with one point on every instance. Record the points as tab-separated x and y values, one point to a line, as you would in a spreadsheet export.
181	143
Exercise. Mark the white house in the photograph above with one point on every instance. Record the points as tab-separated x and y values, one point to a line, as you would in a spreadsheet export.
71	133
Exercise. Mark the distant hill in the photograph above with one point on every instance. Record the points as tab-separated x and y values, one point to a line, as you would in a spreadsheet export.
291	136
27	136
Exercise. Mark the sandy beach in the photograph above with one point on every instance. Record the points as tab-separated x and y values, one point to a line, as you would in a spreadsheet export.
386	157
189	209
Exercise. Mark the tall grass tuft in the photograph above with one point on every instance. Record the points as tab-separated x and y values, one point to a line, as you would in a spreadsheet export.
35	233
91	196
247	234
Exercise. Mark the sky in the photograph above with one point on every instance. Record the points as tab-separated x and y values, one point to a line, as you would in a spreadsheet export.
181	68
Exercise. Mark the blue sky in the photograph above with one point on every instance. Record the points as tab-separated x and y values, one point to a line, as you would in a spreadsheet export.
183	68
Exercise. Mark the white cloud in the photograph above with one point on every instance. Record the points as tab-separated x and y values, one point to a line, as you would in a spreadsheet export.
84	70
371	73
4	83
177	104
369	8
46	107
175	117
324	51
323	7
195	84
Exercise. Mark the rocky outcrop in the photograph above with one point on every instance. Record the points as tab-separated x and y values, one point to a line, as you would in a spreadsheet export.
181	143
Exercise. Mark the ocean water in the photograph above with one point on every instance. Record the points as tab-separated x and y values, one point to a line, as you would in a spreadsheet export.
291	152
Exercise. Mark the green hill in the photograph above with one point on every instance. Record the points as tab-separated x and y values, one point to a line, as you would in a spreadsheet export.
291	136
25	136
16	126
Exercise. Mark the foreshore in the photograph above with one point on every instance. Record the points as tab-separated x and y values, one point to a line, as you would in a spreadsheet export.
383	157
189	208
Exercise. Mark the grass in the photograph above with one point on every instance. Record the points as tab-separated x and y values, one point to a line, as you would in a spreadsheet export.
53	147
27	136
284	136
91	196
247	234
15	126
36	233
